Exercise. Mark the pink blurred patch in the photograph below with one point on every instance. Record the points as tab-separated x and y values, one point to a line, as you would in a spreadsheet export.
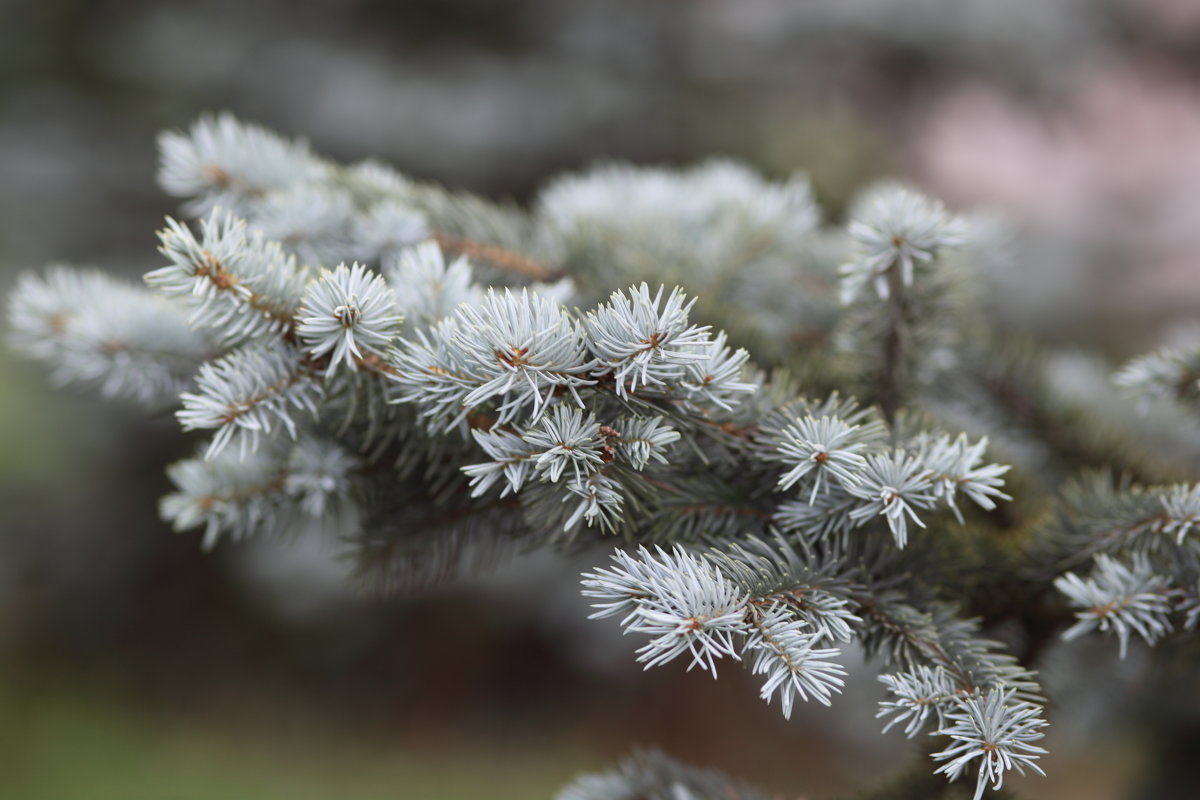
1113	159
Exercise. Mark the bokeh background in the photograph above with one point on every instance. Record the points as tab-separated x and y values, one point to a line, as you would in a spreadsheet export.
134	666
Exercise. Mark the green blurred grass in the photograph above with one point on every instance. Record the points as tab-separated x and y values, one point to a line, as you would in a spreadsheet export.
69	746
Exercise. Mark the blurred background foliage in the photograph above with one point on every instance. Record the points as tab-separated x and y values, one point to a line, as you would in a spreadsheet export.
134	666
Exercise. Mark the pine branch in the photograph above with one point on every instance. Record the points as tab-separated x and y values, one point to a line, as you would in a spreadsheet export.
93	331
1172	373
697	606
650	775
264	492
895	230
241	285
1121	598
895	345
249	394
490	419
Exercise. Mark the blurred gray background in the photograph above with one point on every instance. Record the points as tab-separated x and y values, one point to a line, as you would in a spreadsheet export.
132	665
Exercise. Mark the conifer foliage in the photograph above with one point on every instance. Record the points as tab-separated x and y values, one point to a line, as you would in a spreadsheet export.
432	376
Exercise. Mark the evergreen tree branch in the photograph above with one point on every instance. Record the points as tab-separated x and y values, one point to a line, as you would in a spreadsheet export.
489	420
650	775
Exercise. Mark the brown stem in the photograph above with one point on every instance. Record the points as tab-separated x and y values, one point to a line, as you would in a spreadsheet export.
206	502
225	281
932	648
303	371
717	508
895	344
499	256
